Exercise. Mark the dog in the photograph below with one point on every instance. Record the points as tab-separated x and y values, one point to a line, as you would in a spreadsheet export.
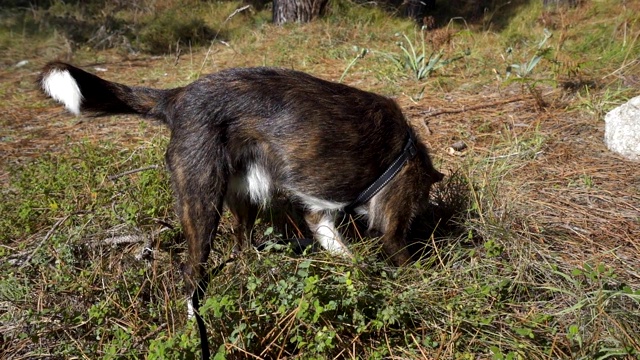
241	135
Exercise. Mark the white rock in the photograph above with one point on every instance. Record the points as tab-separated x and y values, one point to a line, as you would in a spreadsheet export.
622	129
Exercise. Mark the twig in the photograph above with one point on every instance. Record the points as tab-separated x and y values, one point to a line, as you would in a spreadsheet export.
289	319
236	12
150	335
45	238
477	107
424	356
164	223
515	154
386	340
246	353
77	344
150	167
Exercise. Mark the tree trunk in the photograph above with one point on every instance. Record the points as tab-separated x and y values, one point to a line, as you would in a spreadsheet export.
297	10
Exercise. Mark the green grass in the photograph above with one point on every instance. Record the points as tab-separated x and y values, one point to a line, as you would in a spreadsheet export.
500	297
509	272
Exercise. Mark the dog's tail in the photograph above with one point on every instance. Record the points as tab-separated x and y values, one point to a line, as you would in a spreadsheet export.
80	91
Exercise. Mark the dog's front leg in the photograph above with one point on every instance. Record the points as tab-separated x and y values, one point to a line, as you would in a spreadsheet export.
322	225
244	215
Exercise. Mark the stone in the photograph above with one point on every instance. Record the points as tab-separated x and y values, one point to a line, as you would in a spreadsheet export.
622	129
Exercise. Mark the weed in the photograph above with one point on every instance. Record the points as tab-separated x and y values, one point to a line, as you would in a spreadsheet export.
599	103
361	54
524	71
418	60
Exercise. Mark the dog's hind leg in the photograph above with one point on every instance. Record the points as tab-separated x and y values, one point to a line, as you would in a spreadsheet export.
244	213
199	177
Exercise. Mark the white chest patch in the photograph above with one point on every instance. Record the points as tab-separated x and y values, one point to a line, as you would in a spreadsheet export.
258	184
317	204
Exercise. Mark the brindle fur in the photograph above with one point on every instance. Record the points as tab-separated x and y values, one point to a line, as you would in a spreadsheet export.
314	138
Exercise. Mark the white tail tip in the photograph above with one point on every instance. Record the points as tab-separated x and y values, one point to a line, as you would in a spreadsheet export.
191	313
62	87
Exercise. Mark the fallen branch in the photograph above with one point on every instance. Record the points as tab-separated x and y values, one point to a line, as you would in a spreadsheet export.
124	239
150	167
515	154
472	108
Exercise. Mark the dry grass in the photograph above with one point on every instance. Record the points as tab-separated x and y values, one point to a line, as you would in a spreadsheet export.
568	187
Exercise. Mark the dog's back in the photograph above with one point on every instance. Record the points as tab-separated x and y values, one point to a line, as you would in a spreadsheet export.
314	137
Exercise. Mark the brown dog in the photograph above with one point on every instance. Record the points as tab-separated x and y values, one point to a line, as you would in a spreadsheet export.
240	135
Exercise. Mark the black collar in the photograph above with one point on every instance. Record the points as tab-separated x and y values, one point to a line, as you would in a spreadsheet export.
408	153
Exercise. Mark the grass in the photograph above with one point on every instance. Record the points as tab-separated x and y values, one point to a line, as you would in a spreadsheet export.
529	251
